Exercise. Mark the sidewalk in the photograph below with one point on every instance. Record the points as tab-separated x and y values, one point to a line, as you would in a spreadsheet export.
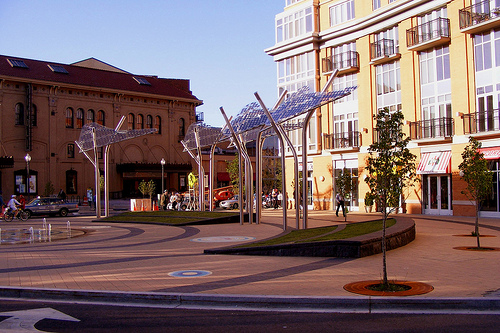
140	258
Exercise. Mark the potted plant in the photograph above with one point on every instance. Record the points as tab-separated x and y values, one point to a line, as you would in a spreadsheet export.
369	200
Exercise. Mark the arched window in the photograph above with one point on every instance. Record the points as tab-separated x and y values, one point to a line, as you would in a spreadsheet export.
90	116
158	124
131	121
182	128
79	118
19	114
140	121
69	118
100	118
149	121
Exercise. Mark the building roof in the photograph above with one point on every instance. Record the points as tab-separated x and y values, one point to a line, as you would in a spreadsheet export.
87	77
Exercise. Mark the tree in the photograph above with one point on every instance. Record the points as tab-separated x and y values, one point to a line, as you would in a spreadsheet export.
475	172
147	188
391	168
344	186
49	189
233	169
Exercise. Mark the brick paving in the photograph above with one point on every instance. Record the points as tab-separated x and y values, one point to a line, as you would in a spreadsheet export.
139	257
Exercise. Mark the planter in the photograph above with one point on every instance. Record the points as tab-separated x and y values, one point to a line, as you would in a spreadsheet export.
368	209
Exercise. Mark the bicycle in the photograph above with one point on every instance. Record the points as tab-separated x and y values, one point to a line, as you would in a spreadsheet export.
8	216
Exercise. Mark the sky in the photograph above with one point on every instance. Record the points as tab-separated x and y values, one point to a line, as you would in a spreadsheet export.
216	44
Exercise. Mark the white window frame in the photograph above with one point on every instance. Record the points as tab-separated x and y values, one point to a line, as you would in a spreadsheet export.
342	12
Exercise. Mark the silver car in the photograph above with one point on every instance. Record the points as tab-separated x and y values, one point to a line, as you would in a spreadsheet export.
50	206
230	204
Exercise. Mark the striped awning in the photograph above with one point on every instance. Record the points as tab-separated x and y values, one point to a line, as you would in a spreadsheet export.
492	153
437	162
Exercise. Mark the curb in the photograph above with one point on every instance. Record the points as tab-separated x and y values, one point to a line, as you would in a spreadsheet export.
261	302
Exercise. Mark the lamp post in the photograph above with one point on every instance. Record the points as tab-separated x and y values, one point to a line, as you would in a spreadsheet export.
162	162
27	158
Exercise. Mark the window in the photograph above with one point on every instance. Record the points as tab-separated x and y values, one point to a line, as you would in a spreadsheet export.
296	72
487	50
101	118
58	69
149	121
158	124
71	182
19	114
376	4
291	2
140	121
34	115
435	65
341	12
182	127
345	81
388	79
17	63
131	121
292	25
79	118
142	81
70	150
90	116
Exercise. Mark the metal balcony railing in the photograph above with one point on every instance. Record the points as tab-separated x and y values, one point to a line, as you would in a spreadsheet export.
341	140
435	29
432	128
480	122
477	13
342	61
382	48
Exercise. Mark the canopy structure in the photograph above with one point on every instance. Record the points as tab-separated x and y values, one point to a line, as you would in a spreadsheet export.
254	122
93	136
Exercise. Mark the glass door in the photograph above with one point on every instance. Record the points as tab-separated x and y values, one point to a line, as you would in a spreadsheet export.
437	194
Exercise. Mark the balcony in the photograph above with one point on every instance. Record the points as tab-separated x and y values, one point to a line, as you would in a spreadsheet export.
346	62
342	141
479	17
482	122
383	51
439	128
428	35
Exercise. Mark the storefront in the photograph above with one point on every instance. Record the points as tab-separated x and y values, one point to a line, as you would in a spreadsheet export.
491	206
435	169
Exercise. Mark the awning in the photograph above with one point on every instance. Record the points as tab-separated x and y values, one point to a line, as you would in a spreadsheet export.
223	177
438	162
492	153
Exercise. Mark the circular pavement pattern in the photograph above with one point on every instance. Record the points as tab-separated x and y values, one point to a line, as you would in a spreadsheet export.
362	287
222	239
190	273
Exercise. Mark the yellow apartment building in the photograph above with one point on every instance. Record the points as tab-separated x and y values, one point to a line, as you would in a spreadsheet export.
438	61
44	105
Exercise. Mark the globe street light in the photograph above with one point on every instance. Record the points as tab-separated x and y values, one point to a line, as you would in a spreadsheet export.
27	158
162	174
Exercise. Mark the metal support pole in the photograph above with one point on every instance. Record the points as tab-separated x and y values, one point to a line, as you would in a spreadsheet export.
201	173
258	173
238	146
106	181
211	178
97	178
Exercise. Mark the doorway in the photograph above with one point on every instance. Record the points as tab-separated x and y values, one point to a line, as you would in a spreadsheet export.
436	194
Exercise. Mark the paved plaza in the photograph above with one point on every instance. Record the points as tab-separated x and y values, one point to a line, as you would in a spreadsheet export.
154	258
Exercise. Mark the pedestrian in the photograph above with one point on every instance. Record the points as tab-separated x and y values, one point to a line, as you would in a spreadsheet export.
90	197
274	198
279	197
340	203
22	202
164	200
61	195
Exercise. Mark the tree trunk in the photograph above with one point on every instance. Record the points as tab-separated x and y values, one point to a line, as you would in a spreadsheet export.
477	224
384	257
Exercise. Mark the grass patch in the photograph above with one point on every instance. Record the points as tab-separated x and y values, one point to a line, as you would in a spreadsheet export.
165	217
356	229
293	236
323	234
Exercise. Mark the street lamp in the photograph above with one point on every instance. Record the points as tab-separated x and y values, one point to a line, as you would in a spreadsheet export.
27	158
162	162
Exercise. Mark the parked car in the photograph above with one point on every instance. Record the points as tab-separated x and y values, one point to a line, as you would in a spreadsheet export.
230	204
50	206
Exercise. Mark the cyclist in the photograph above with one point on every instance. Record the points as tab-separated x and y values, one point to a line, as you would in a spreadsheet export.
12	205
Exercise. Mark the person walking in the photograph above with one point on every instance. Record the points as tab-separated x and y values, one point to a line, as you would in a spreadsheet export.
340	203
